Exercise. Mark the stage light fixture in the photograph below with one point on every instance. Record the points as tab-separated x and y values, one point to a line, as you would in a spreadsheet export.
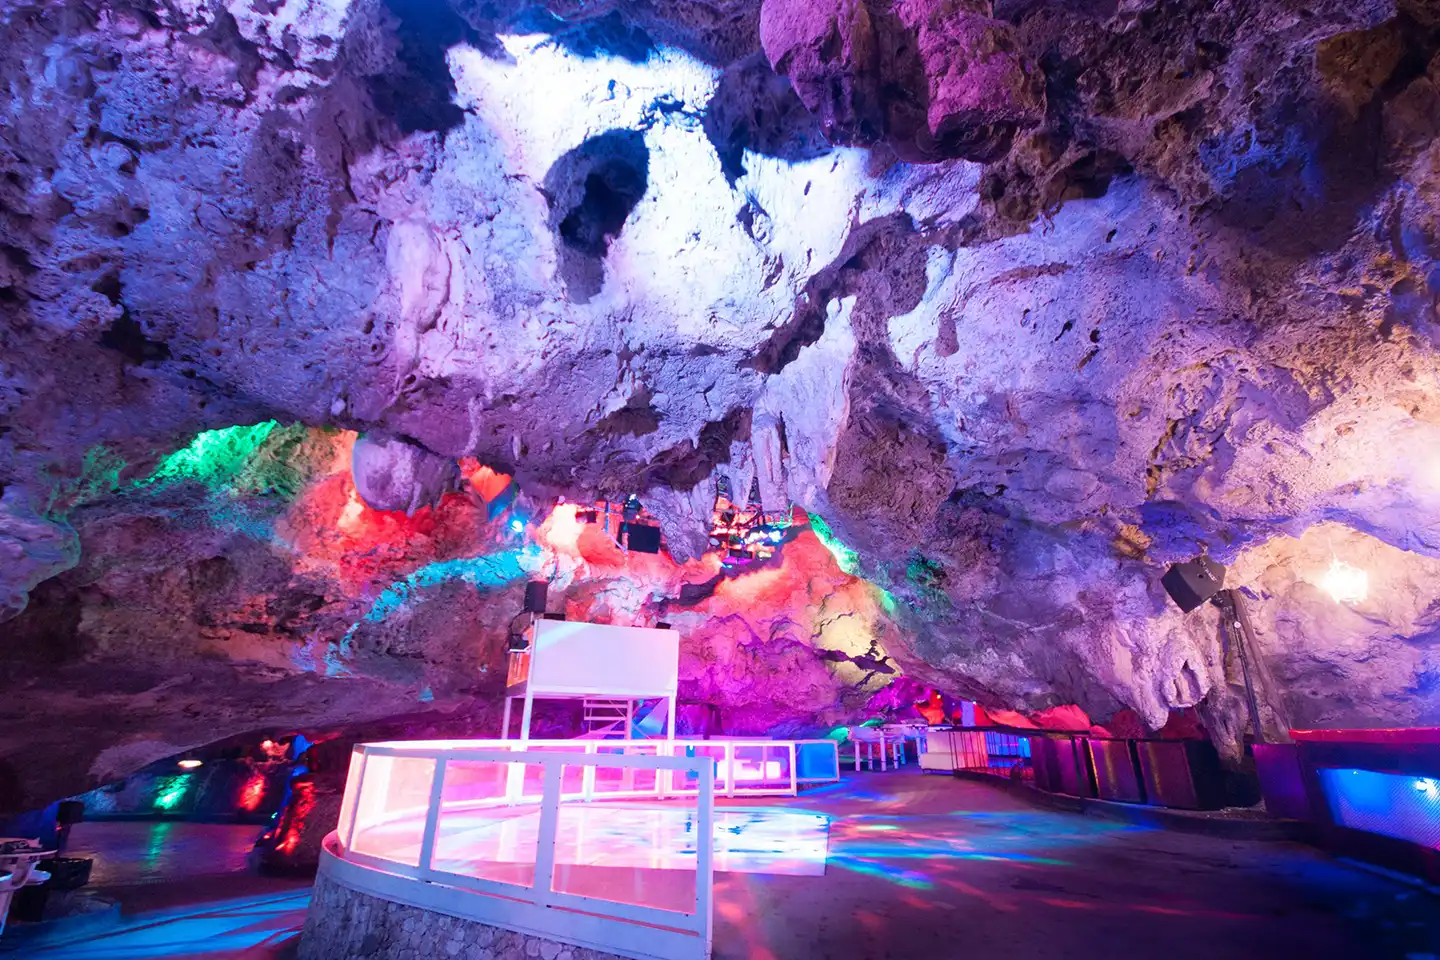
1193	582
190	764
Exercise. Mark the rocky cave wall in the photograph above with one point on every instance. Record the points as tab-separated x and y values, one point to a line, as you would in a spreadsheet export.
1025	299
244	584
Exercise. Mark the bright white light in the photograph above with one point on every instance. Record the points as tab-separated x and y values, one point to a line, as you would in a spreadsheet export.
1428	787
352	512
517	525
190	764
772	771
1346	584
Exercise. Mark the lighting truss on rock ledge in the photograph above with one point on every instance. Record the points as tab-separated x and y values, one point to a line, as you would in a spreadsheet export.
745	532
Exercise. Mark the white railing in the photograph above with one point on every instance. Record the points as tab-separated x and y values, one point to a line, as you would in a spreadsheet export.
744	767
396	798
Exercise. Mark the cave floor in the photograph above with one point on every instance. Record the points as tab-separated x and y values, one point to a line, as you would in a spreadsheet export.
919	866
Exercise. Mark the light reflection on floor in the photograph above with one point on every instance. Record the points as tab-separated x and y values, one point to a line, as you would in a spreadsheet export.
238	929
917	866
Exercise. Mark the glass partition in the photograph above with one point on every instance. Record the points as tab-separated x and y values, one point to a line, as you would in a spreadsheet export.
347	801
479	831
390	811
639	854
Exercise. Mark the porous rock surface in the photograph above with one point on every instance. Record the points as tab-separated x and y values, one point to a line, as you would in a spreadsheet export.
1187	300
343	923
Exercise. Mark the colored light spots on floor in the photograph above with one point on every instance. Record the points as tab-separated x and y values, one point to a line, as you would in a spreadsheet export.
969	871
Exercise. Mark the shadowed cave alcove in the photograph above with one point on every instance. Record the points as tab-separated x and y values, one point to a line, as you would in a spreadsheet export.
592	190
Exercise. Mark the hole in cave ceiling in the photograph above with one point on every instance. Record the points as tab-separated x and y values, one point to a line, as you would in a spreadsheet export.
592	191
415	89
127	337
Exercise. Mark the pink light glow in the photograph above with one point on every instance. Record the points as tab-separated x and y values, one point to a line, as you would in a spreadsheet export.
772	771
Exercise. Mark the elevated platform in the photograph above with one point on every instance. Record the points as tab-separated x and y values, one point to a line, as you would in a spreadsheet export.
568	660
606	845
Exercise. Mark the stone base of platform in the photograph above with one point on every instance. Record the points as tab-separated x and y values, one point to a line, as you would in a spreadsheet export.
343	924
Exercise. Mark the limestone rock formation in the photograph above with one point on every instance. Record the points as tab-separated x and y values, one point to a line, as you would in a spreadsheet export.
1075	291
393	474
934	80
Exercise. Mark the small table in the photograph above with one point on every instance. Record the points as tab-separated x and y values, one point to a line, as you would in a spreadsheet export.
18	860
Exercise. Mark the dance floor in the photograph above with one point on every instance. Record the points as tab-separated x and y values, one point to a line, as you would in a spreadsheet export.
627	852
915	866
627	834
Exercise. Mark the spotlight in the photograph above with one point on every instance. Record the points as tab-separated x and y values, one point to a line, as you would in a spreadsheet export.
1193	582
1428	787
1344	583
190	764
517	525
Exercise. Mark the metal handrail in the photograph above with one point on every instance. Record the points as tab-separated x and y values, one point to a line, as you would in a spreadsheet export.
539	892
727	760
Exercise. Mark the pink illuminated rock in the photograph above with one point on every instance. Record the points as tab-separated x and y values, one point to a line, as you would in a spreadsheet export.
936	81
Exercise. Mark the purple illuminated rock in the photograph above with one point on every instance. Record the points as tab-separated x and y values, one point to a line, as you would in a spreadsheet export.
394	474
936	81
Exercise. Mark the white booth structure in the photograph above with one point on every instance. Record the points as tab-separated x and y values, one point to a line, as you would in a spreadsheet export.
610	667
524	846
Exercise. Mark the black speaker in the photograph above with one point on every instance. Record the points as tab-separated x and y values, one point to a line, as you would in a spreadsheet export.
535	596
642	538
1193	582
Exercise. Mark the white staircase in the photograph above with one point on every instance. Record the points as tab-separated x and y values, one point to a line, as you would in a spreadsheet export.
604	715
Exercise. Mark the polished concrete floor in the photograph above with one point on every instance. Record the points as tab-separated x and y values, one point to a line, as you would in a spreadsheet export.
919	867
